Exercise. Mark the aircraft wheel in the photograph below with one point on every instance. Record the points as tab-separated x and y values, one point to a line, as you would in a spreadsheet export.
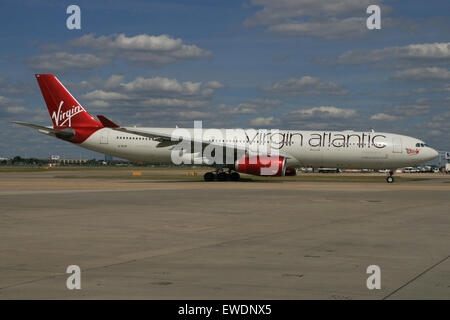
390	179
222	176
209	176
235	176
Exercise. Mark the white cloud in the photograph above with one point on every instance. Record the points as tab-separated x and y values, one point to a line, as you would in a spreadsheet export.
114	81
11	107
322	112
214	85
277	11
253	106
443	116
171	102
3	100
59	61
328	19
384	117
121	41
430	52
423	74
305	85
150	92
402	112
143	48
331	29
434	133
159	84
261	121
99	103
104	95
411	110
15	109
191	115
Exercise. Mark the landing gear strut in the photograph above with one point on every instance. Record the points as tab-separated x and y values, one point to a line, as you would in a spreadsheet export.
390	178
222	176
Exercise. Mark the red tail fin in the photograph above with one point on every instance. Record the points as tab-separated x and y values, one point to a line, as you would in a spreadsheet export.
64	109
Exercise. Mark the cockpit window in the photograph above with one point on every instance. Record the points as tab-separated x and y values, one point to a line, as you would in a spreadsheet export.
418	145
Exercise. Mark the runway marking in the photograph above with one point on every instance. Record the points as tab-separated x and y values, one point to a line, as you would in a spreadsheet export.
415	278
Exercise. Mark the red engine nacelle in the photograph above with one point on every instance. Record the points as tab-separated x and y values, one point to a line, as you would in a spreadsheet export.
262	166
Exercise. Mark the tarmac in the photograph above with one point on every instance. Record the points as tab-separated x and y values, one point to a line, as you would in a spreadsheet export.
188	239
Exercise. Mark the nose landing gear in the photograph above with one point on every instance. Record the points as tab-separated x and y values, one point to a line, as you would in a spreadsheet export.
390	178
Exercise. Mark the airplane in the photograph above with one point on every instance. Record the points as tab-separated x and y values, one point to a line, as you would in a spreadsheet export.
248	151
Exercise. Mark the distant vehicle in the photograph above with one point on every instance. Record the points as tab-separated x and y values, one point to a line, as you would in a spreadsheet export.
447	168
328	170
433	169
411	170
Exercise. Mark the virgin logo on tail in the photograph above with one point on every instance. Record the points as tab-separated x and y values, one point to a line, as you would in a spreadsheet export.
61	118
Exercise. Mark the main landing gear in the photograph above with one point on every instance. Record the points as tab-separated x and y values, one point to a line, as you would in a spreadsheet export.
209	176
390	178
222	176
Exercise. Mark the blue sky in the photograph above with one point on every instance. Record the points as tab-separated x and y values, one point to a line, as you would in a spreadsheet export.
288	64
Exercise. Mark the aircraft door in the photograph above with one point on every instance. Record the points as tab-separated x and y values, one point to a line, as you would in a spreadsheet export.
397	145
104	138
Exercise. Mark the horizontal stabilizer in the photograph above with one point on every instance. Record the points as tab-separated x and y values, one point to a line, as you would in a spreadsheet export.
66	133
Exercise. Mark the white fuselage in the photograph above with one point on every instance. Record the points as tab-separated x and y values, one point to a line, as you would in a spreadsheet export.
333	149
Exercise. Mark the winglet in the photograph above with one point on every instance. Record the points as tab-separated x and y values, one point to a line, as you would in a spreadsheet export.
106	122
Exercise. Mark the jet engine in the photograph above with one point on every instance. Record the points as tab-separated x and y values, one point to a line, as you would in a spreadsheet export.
262	165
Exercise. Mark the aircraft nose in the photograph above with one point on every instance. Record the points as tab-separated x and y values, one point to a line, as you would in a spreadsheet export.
435	154
431	154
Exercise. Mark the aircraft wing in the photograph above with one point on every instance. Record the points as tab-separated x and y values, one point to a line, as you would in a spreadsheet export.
165	139
158	136
171	140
